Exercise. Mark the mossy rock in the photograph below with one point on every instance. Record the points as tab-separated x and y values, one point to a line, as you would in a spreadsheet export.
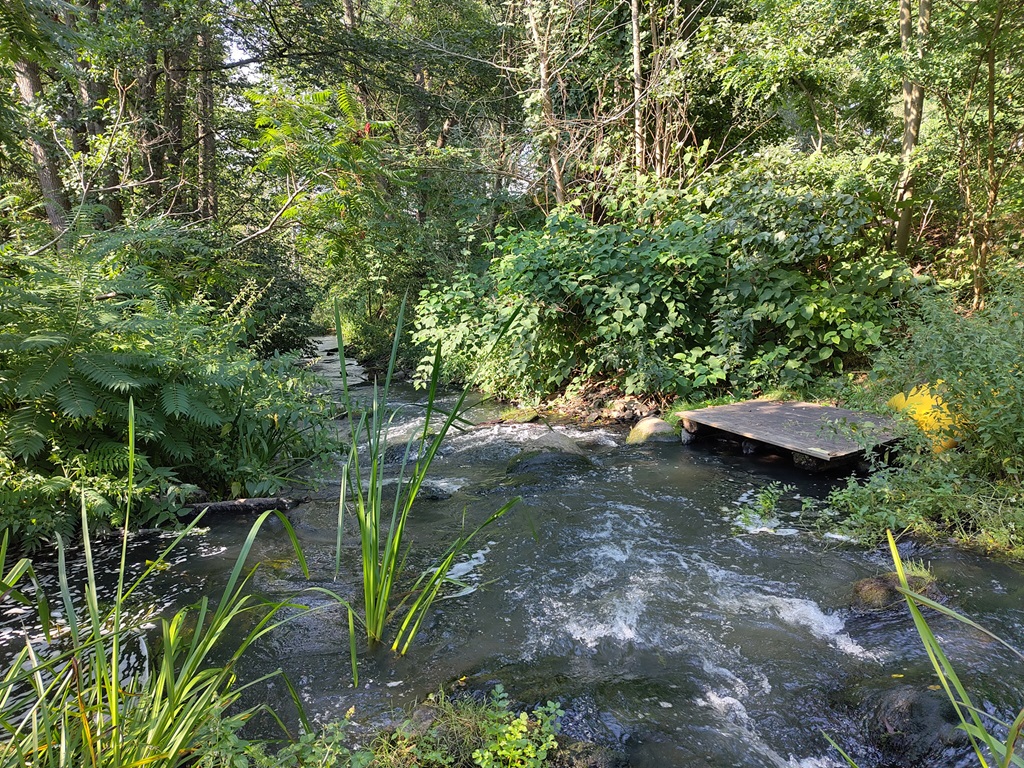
582	754
652	430
880	593
548	461
520	415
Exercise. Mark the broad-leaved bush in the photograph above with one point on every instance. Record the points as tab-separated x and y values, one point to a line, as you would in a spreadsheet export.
770	271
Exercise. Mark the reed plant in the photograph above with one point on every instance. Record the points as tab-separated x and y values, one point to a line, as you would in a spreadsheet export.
382	524
94	693
984	729
980	725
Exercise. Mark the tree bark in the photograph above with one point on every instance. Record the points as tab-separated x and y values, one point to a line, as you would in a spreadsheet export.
206	169
175	86
981	237
913	107
147	111
92	92
541	41
30	88
638	90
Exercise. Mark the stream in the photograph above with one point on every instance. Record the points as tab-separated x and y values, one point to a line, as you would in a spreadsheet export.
622	587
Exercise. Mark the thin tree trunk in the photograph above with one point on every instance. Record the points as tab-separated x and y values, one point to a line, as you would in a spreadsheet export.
421	80
147	110
206	168
92	92
982	240
541	42
176	61
913	106
30	88
638	89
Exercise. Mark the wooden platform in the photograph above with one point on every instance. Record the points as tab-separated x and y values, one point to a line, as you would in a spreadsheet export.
821	431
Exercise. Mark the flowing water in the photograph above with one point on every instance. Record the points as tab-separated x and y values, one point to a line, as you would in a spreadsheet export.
621	586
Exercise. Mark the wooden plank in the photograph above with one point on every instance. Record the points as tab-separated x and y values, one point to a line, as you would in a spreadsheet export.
816	430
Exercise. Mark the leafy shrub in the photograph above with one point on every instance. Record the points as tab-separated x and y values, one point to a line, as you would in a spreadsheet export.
466	733
280	320
976	364
772	271
80	333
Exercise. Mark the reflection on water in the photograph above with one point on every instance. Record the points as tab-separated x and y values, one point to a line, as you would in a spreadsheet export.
621	587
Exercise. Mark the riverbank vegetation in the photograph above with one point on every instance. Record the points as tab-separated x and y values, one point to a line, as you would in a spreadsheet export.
697	200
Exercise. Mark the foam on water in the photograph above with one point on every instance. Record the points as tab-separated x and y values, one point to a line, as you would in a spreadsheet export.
800	612
512	436
735	722
465	568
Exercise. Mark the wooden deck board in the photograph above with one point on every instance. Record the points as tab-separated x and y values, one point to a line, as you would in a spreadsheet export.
816	430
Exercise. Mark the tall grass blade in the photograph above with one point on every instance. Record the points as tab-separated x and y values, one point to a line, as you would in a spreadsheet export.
840	750
969	715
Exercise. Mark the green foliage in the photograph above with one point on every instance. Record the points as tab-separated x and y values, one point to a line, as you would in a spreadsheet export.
520	741
769	272
87	700
327	747
822	69
382	531
279	319
464	733
80	333
974	492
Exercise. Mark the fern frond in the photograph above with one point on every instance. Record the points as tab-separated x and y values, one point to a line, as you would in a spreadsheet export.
102	456
174	399
25	433
102	370
40	377
202	414
76	399
41	341
175	443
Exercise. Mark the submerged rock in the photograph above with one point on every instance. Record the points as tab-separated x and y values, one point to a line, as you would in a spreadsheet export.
547	450
652	430
550	441
581	754
879	593
914	727
547	461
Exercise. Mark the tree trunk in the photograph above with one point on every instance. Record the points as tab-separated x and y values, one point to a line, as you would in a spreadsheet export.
30	88
913	106
421	80
541	41
92	92
981	239
175	86
146	112
206	169
638	89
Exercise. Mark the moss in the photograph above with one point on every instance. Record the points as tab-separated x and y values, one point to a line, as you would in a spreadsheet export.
878	593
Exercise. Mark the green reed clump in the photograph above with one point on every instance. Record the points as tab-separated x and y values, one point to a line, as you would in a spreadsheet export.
76	700
382	525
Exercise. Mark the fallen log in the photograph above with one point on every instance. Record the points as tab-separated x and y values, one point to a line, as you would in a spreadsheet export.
241	506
